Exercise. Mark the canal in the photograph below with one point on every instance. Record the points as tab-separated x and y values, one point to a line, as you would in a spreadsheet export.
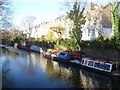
21	69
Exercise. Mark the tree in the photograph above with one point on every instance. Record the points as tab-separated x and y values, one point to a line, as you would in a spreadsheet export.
50	37
59	30
5	15
76	15
116	24
28	23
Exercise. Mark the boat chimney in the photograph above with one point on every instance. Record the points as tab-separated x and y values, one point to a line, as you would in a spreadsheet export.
117	65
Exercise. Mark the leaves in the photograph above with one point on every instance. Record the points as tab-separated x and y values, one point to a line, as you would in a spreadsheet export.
50	36
116	24
76	15
58	29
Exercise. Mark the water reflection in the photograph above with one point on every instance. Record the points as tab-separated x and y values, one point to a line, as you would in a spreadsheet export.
26	69
6	82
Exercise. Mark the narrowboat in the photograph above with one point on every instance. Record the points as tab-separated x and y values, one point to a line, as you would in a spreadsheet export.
65	58
75	54
69	52
50	53
107	68
25	47
36	49
54	53
47	53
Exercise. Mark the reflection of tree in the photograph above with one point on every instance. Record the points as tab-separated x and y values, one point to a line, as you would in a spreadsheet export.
5	51
51	72
115	83
5	68
56	72
86	81
75	78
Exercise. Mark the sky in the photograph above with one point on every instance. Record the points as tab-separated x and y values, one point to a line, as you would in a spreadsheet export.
43	10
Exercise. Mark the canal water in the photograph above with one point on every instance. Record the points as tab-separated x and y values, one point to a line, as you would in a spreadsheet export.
22	69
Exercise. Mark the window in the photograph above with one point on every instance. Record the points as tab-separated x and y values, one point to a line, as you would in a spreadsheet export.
82	62
107	67
86	62
90	63
96	65
93	32
74	55
62	53
102	66
88	32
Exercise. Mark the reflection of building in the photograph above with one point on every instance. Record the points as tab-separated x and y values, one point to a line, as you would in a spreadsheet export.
93	80
42	63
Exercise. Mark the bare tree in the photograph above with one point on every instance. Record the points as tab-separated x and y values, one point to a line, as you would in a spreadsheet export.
28	23
5	15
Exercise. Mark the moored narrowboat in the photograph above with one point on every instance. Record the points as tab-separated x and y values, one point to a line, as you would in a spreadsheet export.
36	49
47	53
50	53
25	47
107	68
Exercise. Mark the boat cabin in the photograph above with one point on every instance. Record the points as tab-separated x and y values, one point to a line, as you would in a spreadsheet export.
64	56
35	48
96	64
76	56
55	51
69	52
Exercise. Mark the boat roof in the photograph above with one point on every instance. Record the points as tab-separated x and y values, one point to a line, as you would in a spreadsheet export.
100	61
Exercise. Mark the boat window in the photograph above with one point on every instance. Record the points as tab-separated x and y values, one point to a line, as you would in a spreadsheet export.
74	55
62	53
86	62
102	66
82	62
107	67
90	63
97	64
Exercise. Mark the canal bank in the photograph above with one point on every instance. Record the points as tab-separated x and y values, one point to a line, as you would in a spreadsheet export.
31	70
113	55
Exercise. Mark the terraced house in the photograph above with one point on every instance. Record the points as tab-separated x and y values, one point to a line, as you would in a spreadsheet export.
98	23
